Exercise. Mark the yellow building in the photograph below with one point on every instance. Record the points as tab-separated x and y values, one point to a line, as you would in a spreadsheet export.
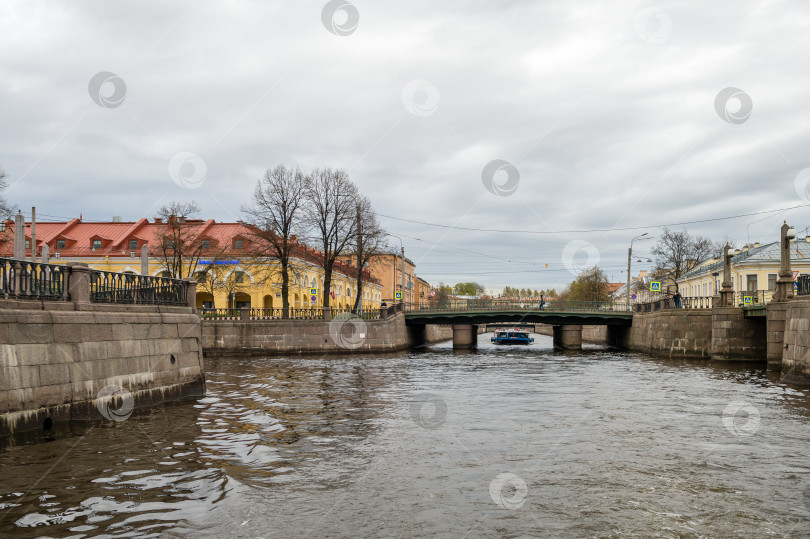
754	269
227	273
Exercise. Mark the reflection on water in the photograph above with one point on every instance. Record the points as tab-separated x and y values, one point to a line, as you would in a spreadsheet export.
501	442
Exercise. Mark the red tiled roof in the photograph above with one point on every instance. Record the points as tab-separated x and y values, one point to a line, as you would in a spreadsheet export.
79	238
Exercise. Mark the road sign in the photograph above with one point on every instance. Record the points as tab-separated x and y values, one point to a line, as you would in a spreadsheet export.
432	293
633	296
655	286
313	291
397	295
747	300
314	299
795	275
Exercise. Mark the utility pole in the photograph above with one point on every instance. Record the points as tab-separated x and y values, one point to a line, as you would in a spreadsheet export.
359	291
629	257
33	234
403	274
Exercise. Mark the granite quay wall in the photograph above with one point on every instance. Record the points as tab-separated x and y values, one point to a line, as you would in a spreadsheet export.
735	337
674	333
796	348
590	334
335	336
438	333
66	360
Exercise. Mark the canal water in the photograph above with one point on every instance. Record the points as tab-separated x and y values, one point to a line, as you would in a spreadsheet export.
503	442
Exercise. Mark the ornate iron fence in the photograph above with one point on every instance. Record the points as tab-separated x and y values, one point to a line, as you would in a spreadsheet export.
803	285
20	279
480	305
109	287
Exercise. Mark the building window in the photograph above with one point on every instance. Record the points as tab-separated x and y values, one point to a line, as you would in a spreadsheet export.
60	244
238	277
96	244
751	283
771	281
27	244
206	244
239	244
133	244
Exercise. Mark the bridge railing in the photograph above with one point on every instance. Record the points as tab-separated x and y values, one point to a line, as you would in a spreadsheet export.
517	306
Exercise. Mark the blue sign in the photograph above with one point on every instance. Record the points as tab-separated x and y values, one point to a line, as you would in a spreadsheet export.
218	262
397	295
655	286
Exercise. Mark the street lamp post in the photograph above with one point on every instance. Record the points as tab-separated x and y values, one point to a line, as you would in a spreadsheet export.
402	251
629	259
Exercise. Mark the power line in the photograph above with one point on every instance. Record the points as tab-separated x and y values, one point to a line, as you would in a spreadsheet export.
504	231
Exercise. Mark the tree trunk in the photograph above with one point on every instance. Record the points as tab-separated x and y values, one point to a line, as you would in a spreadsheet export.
285	289
327	284
358	300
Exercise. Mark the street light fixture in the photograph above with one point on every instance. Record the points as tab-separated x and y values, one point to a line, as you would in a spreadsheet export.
629	260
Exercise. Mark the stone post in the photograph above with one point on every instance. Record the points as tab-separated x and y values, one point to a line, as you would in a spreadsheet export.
727	289
191	292
46	254
383	313
244	313
327	314
19	237
80	285
784	284
144	260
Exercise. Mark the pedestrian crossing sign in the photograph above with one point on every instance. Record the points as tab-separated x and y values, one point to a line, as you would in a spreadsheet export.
655	286
747	300
397	295
313	291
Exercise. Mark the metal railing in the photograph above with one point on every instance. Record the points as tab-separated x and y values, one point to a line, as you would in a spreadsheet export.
756	298
109	287
20	279
278	314
803	285
517	306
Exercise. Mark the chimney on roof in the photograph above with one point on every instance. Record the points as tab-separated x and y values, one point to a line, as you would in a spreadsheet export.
756	244
158	220
807	239
116	218
745	248
736	251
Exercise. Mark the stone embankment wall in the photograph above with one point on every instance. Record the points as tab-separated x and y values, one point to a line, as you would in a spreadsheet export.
796	354
436	333
590	334
674	333
54	363
268	337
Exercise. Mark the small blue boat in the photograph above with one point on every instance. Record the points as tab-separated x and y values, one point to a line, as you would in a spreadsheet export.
511	336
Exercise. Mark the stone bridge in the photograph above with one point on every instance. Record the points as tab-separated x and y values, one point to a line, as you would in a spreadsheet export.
567	318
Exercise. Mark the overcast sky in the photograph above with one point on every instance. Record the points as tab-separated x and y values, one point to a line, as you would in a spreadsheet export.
611	115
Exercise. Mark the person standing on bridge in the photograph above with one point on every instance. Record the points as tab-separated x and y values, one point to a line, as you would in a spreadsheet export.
542	302
677	299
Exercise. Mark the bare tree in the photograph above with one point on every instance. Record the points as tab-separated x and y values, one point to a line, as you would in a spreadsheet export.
331	216
368	241
6	210
179	246
678	252
275	213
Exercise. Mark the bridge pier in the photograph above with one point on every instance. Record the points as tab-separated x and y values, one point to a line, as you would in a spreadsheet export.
465	336
568	337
